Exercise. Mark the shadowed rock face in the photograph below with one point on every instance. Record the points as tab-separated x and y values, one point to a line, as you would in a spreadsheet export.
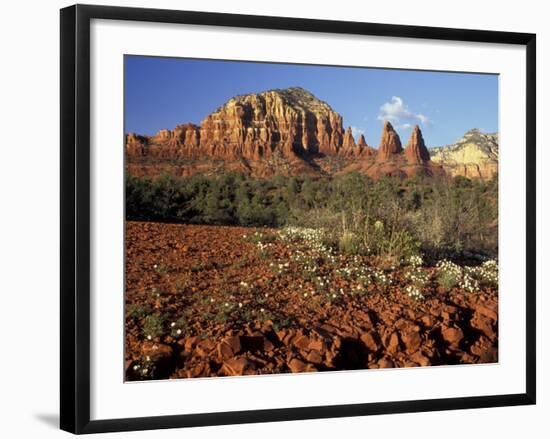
362	142
291	121
286	132
348	144
416	151
135	145
365	149
390	144
392	160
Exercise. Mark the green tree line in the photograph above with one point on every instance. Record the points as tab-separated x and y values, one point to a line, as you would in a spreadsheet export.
438	215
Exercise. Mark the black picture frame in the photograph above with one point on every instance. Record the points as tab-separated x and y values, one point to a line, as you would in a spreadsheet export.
75	217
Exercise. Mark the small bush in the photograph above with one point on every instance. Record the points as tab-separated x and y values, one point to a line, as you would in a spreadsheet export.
144	368
415	293
350	243
162	268
448	280
179	328
224	312
153	326
281	323
244	315
382	279
449	274
417	277
487	273
400	244
136	311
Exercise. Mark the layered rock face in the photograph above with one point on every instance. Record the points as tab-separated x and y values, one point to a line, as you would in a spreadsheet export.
291	122
135	145
364	148
475	155
392	160
348	145
416	151
289	132
390	144
350	149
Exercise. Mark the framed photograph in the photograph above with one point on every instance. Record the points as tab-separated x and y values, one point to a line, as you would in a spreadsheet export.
268	219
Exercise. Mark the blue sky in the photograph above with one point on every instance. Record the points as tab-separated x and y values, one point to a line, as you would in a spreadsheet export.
163	92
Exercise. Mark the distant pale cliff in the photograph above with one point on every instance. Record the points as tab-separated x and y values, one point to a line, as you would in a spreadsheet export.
475	155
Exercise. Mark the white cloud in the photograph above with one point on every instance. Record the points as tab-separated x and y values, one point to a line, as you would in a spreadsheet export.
398	113
357	131
423	119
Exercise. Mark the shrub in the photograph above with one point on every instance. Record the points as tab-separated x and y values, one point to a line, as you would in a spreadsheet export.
417	277
414	293
144	368
488	273
447	280
281	323
179	328
350	243
399	244
449	274
153	326
136	311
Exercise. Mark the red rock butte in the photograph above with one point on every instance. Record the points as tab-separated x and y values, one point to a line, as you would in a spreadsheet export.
390	144
287	132
416	151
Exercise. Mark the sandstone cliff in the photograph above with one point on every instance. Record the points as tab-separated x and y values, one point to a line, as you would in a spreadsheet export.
291	132
475	155
390	159
390	144
416	151
291	122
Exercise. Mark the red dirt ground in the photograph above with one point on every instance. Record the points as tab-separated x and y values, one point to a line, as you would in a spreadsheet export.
225	305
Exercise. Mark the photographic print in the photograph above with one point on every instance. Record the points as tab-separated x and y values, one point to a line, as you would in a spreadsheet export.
286	218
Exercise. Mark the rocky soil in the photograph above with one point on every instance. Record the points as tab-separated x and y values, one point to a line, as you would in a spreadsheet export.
205	301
